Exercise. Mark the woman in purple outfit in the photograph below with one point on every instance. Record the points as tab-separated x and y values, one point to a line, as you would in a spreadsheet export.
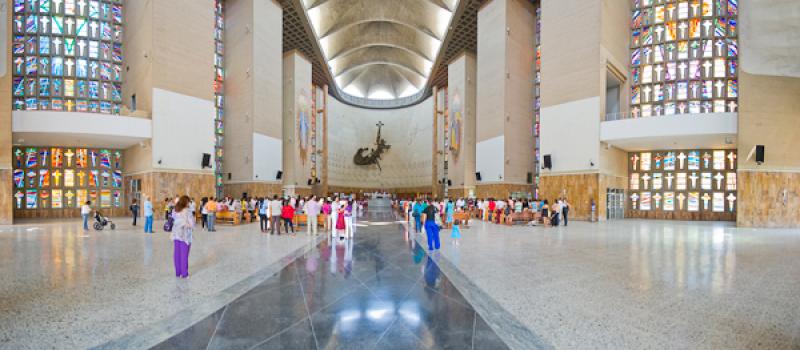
182	236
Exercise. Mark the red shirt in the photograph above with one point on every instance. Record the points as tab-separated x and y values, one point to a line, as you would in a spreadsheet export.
287	212
492	205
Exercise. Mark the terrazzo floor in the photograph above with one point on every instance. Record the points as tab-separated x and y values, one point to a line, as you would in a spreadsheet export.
64	288
635	284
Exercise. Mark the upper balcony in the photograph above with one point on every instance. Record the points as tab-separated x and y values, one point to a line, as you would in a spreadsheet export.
47	128
702	130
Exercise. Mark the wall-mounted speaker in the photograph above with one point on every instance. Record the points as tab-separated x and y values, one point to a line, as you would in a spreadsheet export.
279	175
478	176
309	182
449	182
530	177
760	149
547	162
206	161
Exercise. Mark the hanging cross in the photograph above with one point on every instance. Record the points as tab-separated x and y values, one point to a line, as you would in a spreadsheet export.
683	26
707	68
58	5
646	179
694	7
681	198
681	159
720	44
81	4
719	177
705	198
69	22
57	45
732	106
706	26
719	85
659	30
81	46
69	65
671	11
658	70
669	178
93	25
69	155
646	94
45	21
731	198
634	160
682	69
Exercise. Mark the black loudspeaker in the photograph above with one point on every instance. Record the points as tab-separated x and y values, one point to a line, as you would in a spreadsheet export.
548	162
309	182
279	175
760	154
206	160
530	177
449	183
478	176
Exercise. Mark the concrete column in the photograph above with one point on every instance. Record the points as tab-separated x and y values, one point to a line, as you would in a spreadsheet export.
253	92
297	115
461	84
505	72
6	190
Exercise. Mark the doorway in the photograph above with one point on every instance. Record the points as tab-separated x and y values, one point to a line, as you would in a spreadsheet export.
615	203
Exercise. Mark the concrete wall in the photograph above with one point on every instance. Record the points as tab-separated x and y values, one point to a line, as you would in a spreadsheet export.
408	130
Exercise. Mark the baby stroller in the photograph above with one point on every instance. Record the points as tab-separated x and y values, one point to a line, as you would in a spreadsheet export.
101	221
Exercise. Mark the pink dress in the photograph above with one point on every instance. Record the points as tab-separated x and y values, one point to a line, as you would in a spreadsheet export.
340	220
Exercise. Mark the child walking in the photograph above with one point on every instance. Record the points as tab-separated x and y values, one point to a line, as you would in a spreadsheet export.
456	234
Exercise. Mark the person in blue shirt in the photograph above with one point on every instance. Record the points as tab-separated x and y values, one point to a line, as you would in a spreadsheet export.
416	212
148	215
431	228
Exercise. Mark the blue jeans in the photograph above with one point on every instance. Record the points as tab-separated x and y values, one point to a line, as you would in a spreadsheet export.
417	223
212	218
85	221
432	231
148	224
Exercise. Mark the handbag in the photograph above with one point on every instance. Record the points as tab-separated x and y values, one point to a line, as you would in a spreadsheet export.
168	224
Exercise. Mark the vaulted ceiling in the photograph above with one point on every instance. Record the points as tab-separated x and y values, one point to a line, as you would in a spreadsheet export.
380	50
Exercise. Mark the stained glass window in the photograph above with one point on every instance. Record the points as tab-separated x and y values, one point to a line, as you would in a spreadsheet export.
219	91
58	178
684	57
62	55
678	181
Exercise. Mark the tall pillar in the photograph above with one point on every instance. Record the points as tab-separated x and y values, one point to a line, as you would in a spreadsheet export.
253	92
505	90
297	113
461	86
6	192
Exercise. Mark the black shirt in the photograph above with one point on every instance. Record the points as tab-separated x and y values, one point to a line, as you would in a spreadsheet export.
430	212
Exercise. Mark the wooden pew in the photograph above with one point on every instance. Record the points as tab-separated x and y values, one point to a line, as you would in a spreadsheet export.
228	217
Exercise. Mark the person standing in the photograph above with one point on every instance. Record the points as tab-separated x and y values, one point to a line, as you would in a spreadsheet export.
86	210
348	219
326	210
148	215
263	214
334	217
312	209
340	222
431	228
167	208
416	212
450	211
275	208
565	206
211	210
182	236
134	210
203	212
287	214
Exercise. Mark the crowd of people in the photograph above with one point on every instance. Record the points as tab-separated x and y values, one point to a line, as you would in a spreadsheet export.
536	212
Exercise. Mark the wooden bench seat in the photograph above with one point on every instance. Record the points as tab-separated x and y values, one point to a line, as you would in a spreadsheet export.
229	217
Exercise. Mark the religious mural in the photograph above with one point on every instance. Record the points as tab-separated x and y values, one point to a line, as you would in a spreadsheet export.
303	106
684	57
56	177
456	124
682	180
67	55
219	92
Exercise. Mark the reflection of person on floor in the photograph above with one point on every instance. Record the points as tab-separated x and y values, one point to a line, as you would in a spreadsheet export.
431	272
431	228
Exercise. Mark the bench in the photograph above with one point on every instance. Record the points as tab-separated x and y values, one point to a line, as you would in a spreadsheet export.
462	218
228	217
523	217
302	219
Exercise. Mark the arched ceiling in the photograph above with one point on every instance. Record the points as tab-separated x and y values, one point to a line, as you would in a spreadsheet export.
380	49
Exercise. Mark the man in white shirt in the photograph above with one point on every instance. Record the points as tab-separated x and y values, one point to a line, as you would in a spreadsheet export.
275	207
85	211
334	215
312	209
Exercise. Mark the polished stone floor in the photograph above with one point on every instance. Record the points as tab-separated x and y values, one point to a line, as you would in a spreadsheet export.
379	290
634	284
